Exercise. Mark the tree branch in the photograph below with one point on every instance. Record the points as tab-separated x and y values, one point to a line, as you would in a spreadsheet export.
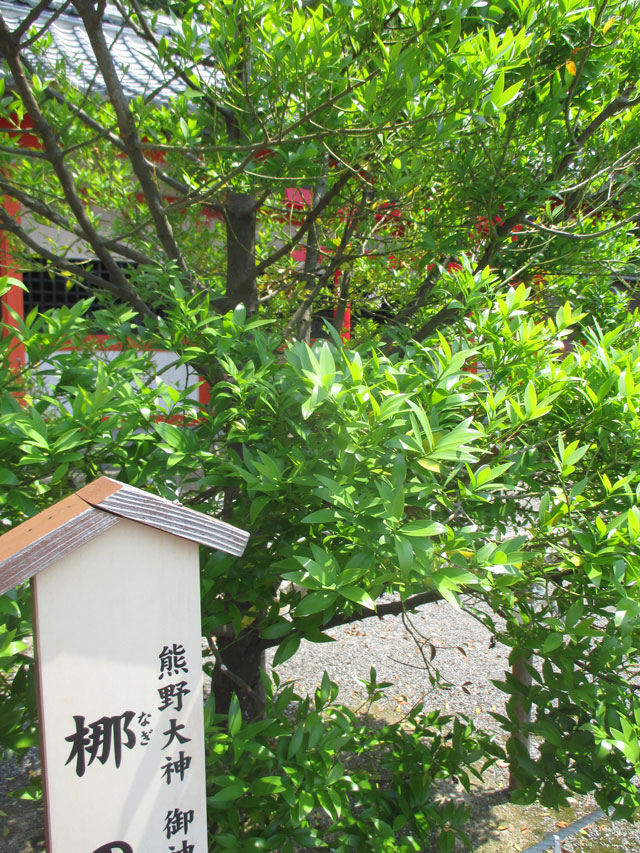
312	216
576	77
306	303
440	318
129	132
41	208
145	32
618	105
67	183
114	140
9	224
537	226
33	16
228	673
303	314
389	608
423	292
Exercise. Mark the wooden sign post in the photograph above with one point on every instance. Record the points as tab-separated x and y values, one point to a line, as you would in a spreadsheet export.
115	576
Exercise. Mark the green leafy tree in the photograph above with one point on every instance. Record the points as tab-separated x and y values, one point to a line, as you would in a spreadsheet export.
472	196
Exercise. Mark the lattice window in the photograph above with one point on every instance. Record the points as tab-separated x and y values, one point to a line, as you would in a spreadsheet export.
46	288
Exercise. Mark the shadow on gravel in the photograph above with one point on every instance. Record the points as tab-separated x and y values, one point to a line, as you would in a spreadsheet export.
482	826
21	821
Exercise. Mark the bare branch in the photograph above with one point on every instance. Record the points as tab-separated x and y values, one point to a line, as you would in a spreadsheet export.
8	223
129	132
33	16
620	104
65	177
389	608
311	218
619	226
42	209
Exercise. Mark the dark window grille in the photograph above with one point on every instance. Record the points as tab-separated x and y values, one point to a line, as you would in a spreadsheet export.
46	288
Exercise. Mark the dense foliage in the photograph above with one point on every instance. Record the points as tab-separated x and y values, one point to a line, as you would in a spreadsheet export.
473	199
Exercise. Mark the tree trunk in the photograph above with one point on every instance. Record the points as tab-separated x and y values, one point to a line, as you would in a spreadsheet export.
240	220
240	659
238	671
519	741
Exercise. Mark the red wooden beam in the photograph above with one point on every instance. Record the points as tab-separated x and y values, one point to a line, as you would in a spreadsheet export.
13	300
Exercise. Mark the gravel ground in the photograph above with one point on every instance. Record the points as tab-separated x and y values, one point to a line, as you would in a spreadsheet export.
463	656
496	825
21	821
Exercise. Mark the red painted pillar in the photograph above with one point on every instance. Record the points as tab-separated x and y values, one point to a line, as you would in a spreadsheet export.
345	331
14	298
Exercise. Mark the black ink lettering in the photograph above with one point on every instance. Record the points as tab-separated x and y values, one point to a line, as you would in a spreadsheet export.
145	737
173	733
116	847
100	739
172	661
177	821
171	694
144	719
186	848
176	768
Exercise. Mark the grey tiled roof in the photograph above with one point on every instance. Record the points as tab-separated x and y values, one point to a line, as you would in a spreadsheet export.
141	72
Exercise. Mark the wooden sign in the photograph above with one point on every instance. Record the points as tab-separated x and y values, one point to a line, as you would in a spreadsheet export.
117	624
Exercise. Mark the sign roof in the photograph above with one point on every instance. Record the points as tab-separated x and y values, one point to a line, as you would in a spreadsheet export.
33	545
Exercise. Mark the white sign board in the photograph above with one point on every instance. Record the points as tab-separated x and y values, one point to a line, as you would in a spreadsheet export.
119	644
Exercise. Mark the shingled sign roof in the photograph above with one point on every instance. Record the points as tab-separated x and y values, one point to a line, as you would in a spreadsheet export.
36	543
141	72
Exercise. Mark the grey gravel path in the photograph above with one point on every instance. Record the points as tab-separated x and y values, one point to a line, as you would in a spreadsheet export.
463	656
389	647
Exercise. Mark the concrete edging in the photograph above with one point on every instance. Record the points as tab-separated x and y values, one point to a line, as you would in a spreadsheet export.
552	840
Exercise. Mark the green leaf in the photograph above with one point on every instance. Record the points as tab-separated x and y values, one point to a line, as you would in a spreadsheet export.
422	528
296	741
267	786
552	642
404	550
286	649
278	629
9	606
508	95
498	88
226	795
234	719
360	596
172	435
258	504
454	32
321	515
315	602
7	282
7	478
